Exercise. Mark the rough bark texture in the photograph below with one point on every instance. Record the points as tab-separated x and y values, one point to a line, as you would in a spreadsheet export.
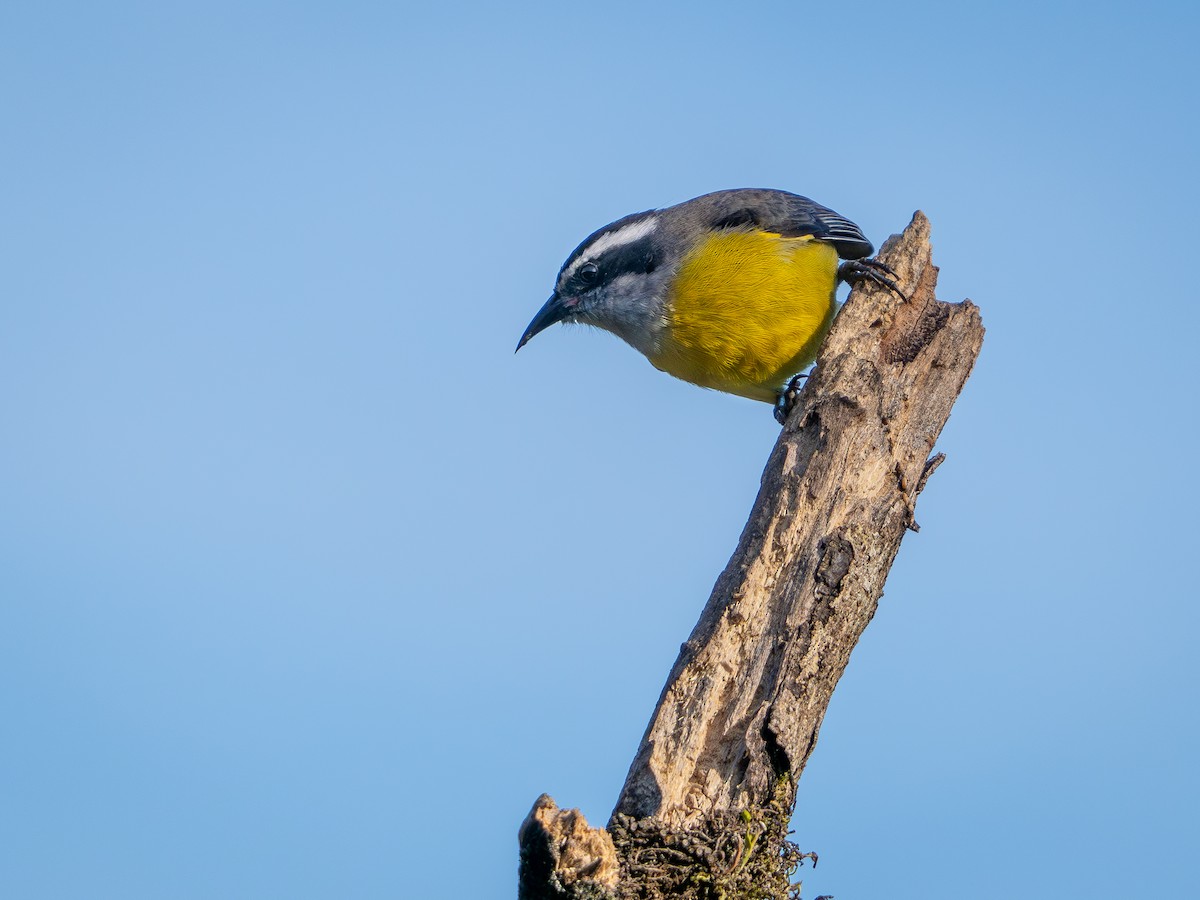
562	856
741	710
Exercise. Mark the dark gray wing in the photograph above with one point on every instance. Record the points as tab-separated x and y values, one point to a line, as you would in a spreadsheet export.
788	214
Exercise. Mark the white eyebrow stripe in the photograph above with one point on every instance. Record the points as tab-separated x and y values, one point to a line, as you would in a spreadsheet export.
626	234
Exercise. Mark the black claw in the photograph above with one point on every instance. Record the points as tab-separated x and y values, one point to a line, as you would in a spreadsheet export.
786	401
853	271
880	264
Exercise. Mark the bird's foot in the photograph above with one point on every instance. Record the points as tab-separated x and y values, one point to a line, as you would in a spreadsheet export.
853	271
786	401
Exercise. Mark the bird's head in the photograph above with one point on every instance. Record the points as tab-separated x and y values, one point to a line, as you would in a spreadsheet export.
616	280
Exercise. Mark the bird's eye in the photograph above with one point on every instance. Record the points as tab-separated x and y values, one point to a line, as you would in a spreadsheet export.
589	273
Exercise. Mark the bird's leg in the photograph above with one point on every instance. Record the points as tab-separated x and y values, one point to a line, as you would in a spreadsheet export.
786	401
852	271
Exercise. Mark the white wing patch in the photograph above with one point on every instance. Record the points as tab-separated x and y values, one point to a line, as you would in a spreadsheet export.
840	226
626	234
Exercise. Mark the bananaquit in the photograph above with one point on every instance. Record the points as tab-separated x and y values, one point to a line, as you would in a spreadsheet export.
732	290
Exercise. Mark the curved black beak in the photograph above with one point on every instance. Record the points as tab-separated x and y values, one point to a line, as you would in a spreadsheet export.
554	310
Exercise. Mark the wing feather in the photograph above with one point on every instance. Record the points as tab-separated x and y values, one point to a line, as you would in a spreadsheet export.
788	214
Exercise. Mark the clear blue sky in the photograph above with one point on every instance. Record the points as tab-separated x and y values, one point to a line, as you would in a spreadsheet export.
310	587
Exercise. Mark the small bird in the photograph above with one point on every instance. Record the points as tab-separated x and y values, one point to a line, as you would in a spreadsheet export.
733	290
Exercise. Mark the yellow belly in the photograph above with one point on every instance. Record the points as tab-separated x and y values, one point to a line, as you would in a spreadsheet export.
747	311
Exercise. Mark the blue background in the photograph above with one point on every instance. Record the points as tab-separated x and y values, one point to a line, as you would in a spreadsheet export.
310	587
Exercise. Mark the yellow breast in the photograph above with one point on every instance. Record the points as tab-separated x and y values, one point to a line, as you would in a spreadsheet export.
748	310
